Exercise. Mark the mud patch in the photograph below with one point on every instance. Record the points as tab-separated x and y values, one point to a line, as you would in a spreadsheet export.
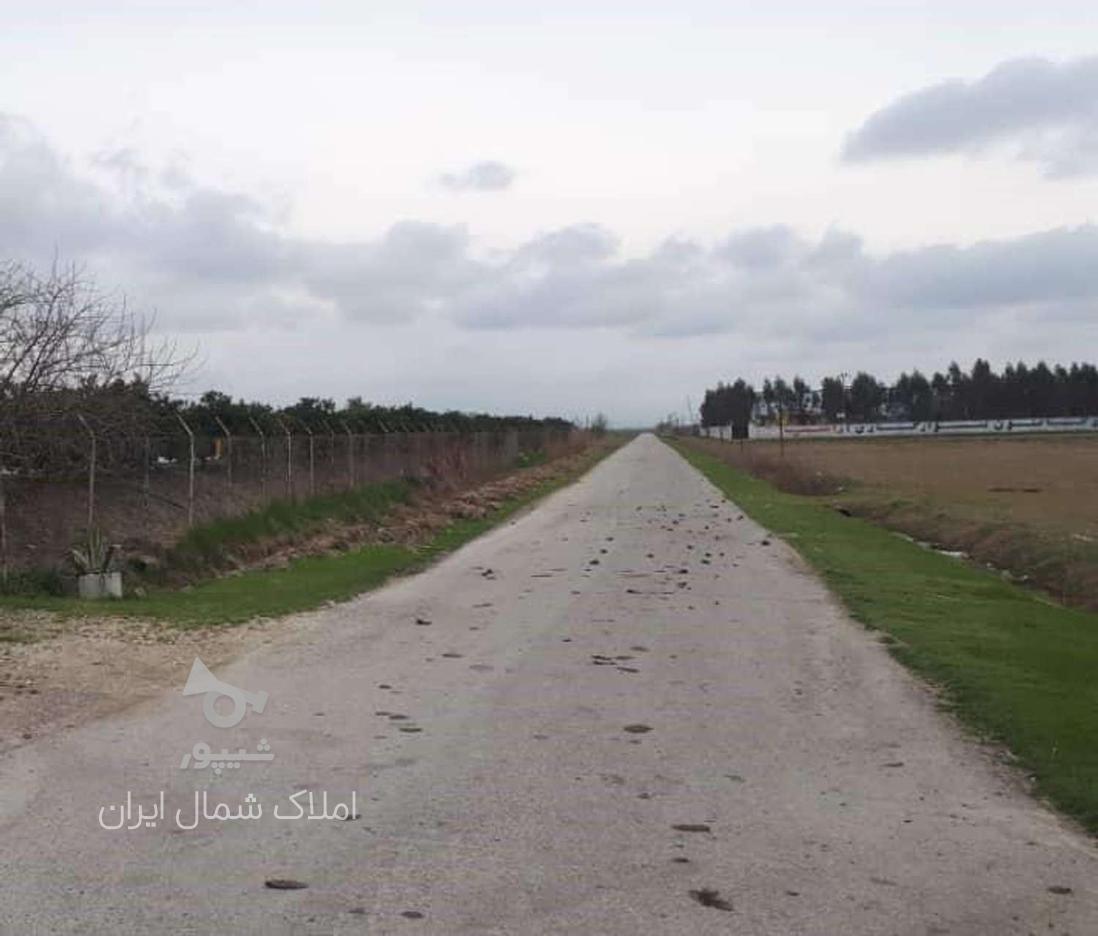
708	897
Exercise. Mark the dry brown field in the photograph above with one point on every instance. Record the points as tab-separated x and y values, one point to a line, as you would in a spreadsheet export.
1026	504
1038	480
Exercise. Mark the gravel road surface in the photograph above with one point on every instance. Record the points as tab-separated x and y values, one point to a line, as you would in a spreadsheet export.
628	711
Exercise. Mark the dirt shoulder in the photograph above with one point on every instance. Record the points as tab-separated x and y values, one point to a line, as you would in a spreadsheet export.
82	668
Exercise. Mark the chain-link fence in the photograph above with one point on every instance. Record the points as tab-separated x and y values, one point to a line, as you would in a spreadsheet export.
64	477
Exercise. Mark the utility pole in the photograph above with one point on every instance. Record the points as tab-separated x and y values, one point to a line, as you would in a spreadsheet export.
842	385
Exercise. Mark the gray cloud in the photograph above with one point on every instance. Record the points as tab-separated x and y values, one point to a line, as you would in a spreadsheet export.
412	270
485	176
1049	268
760	247
210	259
1047	111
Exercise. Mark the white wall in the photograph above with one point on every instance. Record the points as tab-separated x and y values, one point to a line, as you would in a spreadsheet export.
884	429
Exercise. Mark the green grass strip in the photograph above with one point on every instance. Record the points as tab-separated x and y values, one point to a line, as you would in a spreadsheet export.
1015	668
207	544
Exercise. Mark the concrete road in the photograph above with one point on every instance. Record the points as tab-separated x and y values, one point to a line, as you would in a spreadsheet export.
630	711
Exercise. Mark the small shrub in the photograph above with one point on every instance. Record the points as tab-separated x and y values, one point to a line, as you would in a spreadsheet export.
30	582
94	555
530	459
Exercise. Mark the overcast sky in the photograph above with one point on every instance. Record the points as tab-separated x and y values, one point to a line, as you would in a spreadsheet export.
566	207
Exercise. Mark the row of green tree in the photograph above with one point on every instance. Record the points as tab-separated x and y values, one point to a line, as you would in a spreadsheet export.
49	431
321	415
980	393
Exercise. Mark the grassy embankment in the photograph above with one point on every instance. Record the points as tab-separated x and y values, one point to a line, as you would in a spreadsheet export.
1014	667
310	581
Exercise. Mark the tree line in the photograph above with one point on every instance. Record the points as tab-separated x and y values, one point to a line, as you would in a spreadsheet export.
1019	391
76	361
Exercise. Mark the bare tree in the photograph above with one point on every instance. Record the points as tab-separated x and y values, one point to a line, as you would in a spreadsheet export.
60	331
68	347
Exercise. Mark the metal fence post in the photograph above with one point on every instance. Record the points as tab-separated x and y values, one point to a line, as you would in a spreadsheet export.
386	458
289	458
146	486
91	472
331	451
262	457
312	459
364	434
331	444
781	430
350	455
228	450
190	470
3	530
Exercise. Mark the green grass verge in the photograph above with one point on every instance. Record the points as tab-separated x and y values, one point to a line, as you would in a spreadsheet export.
306	583
1014	667
530	458
208	544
